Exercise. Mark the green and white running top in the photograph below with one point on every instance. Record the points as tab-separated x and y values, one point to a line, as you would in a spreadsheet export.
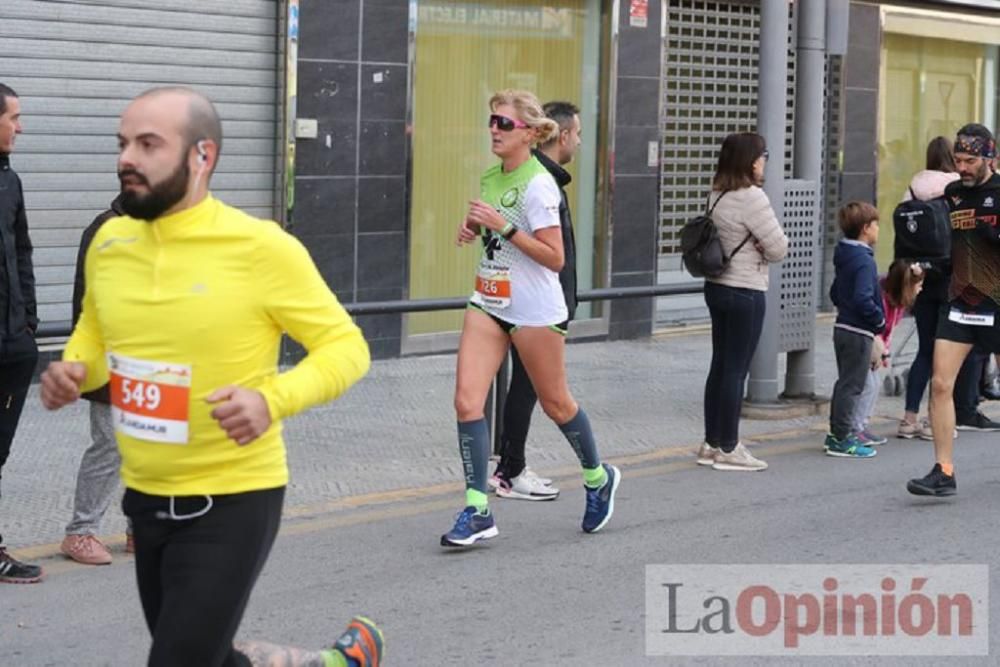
509	284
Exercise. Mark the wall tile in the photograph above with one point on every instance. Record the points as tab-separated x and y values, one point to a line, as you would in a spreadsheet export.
329	29
333	255
638	102
386	31
383	92
635	224
859	151
328	91
382	204
631	146
639	48
383	148
333	153
381	260
861	111
324	206
858	186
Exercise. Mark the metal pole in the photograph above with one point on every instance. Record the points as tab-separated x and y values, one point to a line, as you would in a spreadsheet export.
800	376
773	69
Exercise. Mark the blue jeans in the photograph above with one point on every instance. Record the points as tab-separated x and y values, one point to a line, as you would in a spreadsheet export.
737	320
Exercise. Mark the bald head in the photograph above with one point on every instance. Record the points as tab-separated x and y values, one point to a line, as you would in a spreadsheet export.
200	121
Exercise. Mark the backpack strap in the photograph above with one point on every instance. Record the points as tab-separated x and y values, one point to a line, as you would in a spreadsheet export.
913	196
740	246
709	209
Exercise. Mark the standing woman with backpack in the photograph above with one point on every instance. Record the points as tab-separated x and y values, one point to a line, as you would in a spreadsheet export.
926	185
751	238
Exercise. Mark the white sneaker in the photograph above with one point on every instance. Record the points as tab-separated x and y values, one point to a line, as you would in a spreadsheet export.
528	472
740	459
706	454
526	487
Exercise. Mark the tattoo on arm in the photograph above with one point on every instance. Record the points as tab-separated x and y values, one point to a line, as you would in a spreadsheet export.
262	654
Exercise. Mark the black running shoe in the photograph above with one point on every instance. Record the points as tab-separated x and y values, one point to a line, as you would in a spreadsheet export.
936	483
13	571
979	422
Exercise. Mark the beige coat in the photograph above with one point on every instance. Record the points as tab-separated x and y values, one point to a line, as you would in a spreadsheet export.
742	212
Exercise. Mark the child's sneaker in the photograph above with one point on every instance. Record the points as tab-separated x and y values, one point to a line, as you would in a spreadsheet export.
849	448
870	439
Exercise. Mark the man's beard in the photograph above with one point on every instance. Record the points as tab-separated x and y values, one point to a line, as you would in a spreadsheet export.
161	197
978	177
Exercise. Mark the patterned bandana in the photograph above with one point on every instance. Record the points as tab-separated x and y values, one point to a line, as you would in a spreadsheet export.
976	145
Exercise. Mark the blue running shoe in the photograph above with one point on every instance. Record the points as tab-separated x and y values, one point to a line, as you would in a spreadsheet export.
601	501
470	527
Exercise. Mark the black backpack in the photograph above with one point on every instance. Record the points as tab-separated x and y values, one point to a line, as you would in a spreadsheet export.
701	249
923	230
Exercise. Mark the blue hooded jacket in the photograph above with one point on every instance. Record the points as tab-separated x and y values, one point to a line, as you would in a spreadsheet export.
855	290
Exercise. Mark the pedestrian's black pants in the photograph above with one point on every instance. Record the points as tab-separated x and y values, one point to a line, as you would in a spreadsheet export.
520	403
737	321
18	357
195	575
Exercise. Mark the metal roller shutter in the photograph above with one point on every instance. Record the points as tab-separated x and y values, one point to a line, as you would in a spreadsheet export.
77	63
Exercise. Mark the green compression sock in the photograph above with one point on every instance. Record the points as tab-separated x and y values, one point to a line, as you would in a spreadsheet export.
595	478
477	499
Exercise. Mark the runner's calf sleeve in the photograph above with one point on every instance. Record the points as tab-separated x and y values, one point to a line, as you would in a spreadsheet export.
577	430
474	445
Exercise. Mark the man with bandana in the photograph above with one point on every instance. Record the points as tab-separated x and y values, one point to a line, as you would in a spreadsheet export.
183	314
972	317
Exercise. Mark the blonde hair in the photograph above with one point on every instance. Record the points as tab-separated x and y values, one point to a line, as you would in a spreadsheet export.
530	110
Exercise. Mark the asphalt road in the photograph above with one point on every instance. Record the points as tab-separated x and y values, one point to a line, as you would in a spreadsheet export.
543	593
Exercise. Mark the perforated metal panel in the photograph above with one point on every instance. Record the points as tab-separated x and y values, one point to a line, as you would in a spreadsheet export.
798	271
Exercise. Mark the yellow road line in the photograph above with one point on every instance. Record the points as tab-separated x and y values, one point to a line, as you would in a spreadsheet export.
428	499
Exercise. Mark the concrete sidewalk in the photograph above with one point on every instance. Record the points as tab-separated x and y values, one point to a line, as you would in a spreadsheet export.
396	429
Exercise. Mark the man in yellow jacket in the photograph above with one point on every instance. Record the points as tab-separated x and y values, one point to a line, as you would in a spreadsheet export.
186	302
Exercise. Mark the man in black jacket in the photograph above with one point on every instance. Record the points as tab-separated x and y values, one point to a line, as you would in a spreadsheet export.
97	477
18	312
512	478
972	316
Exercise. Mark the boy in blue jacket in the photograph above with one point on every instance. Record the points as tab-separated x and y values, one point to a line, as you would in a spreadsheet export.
858	298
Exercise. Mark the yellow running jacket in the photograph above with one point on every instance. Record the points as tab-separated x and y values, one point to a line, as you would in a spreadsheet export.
193	302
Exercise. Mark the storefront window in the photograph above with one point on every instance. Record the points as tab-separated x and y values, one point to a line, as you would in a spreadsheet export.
930	87
464	51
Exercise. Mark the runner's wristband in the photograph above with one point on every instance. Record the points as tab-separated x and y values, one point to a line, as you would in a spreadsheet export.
508	231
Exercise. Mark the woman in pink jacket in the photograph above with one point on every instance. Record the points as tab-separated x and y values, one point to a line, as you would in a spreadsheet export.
927	184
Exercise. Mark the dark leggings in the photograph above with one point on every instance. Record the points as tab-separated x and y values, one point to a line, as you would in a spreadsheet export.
737	320
517	409
195	575
925	313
